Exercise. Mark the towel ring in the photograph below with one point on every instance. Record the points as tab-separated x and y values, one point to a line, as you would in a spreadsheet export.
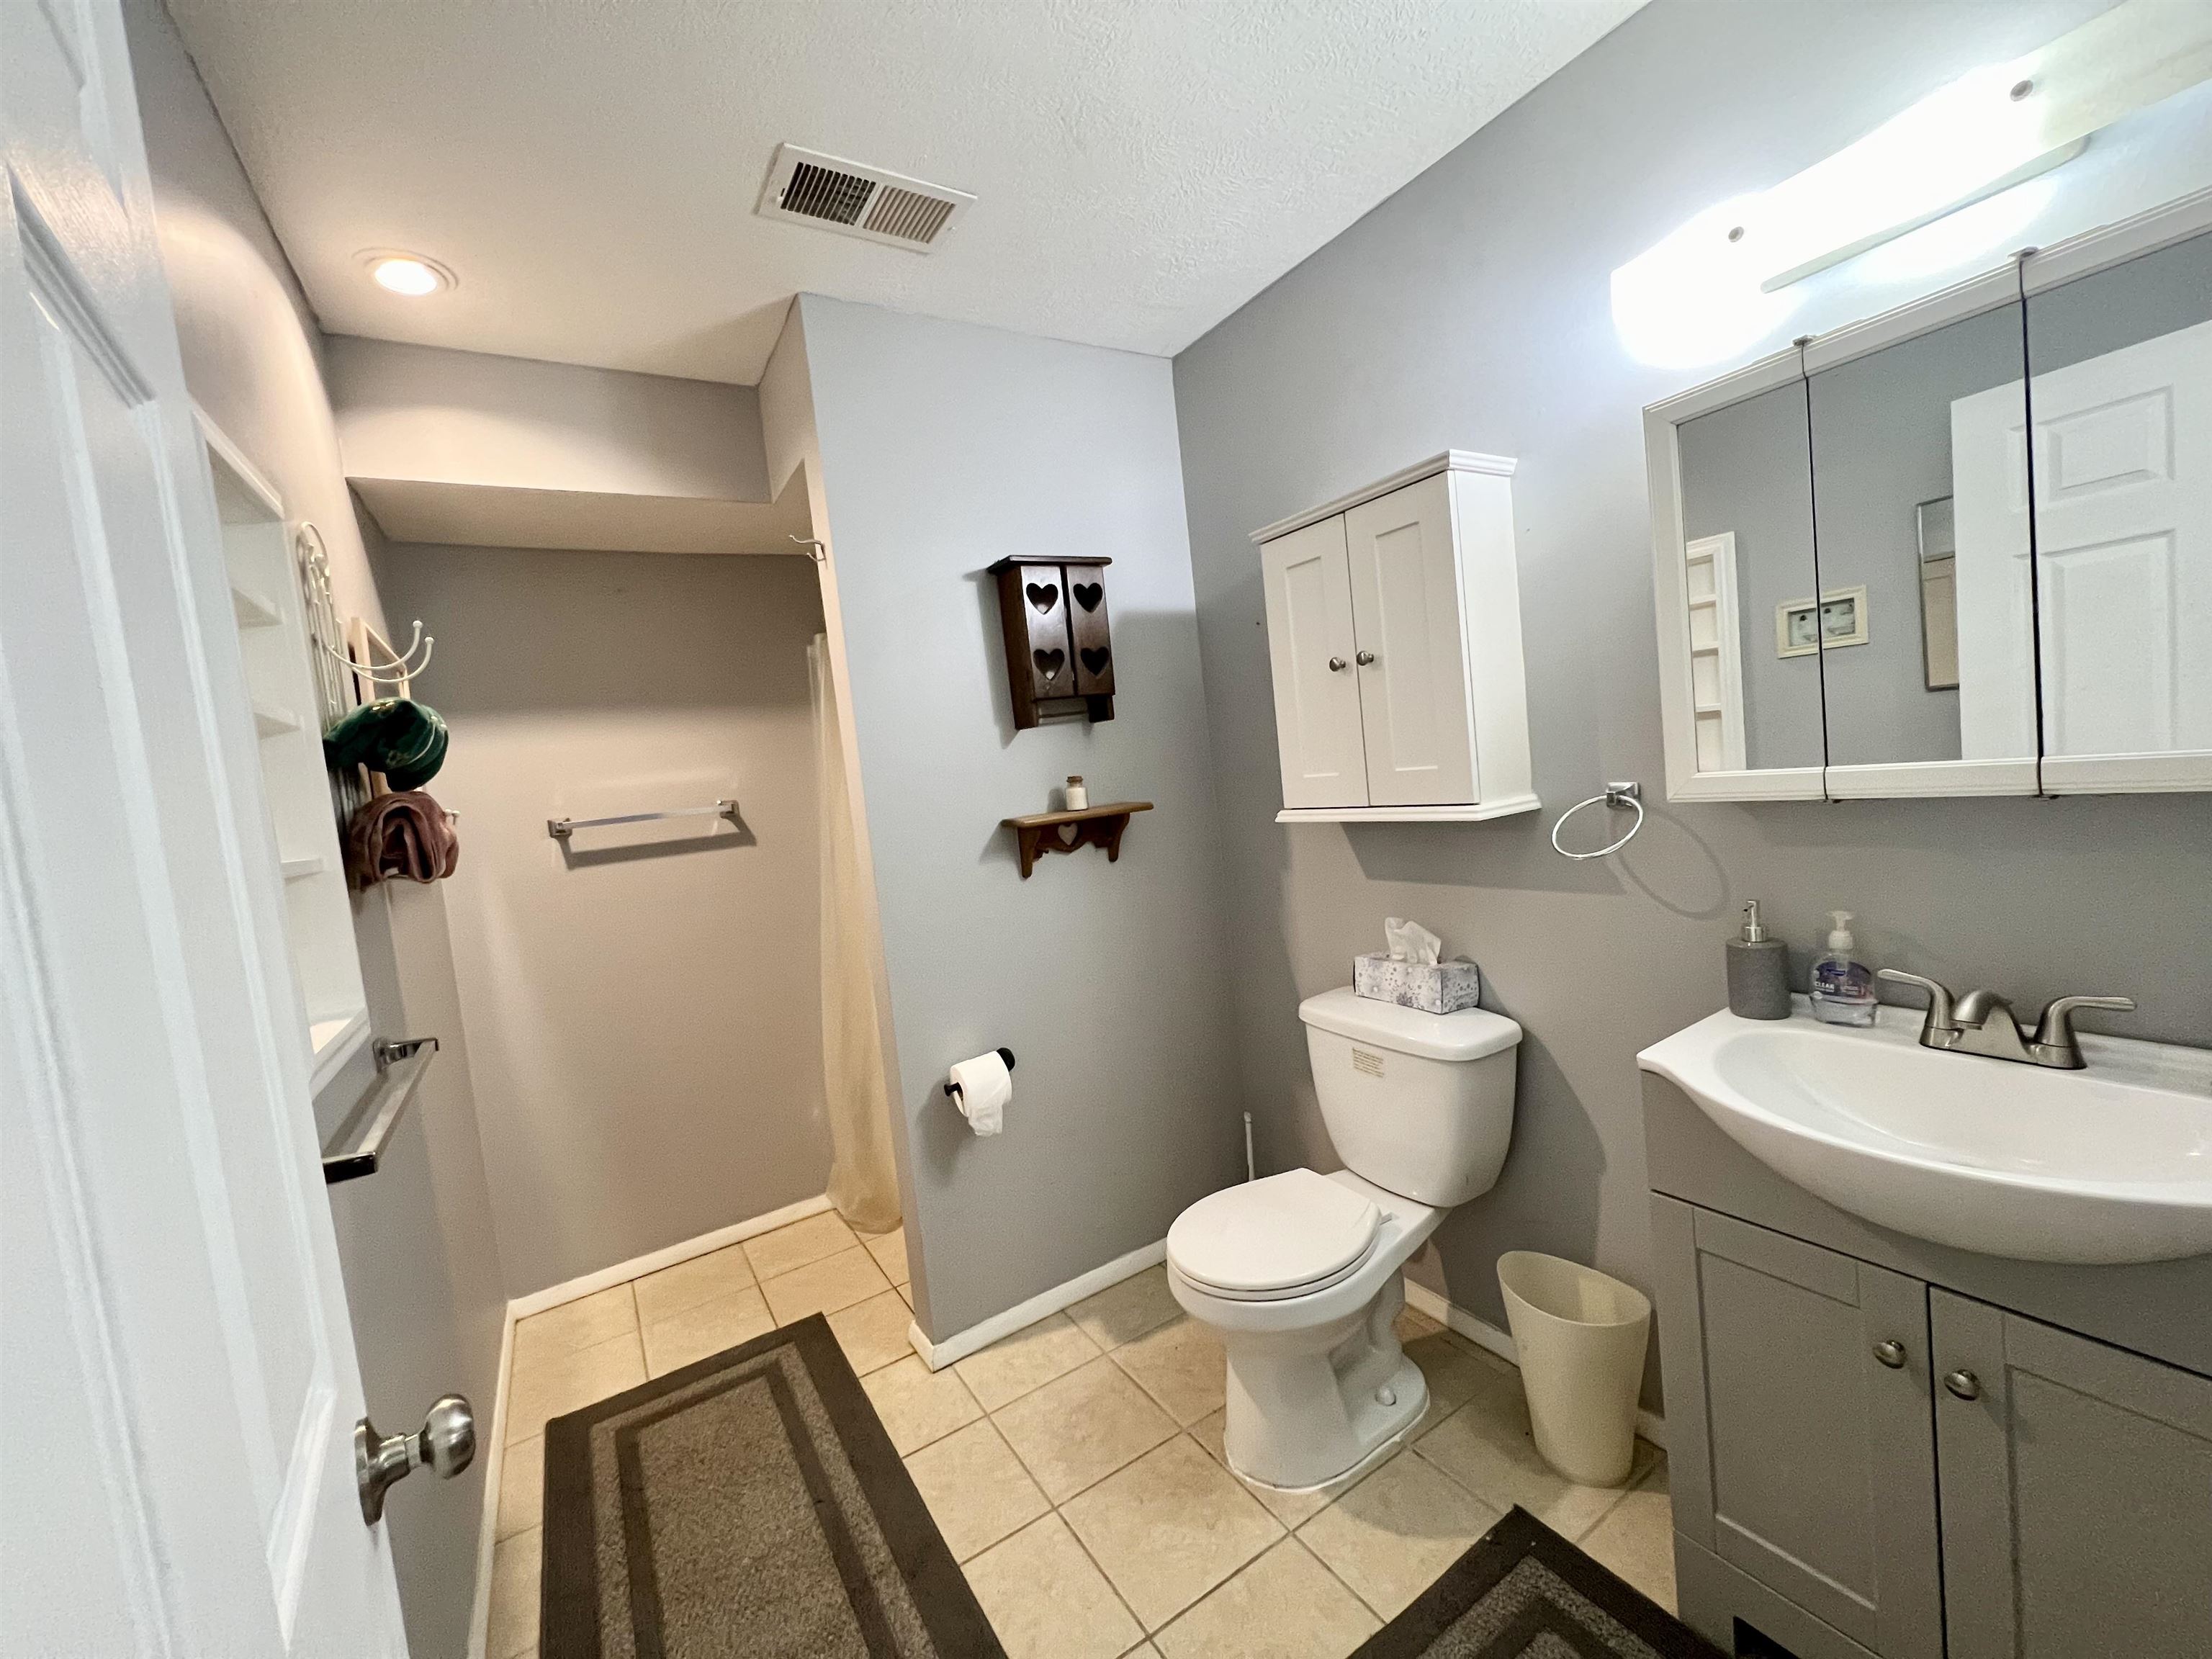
1615	795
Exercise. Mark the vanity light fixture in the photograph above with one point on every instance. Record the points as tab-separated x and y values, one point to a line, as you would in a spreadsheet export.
1717	284
409	275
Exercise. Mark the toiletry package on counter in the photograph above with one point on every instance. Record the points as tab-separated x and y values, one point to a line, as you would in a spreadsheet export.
1409	974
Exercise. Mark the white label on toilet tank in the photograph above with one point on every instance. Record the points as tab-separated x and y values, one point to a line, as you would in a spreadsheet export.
1363	1060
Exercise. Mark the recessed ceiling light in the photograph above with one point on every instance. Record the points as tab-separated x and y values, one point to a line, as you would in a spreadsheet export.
407	274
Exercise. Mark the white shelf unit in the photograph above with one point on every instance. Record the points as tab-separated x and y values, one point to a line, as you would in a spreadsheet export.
1394	634
1709	607
274	647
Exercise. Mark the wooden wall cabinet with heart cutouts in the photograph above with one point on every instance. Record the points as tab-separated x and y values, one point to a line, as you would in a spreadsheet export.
1060	655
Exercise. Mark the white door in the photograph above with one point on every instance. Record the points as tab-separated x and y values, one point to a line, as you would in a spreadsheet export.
2124	547
1412	655
176	1366
1311	646
1995	606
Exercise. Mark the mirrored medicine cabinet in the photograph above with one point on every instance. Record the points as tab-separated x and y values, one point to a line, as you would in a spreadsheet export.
1870	582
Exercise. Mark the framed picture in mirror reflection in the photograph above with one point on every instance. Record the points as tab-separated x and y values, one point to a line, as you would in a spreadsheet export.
1802	628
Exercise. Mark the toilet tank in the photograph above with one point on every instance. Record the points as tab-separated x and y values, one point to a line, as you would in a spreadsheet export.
1420	1104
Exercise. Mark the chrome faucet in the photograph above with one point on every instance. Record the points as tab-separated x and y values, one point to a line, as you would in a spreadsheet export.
1982	1023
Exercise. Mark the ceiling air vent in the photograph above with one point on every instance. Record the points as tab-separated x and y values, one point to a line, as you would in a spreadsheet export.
843	196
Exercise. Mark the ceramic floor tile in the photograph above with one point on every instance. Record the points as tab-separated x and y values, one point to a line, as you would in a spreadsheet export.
906	1295
1284	1605
1394	1534
873	1333
976	1489
1637	1539
1455	1375
833	1282
521	1486
1169	1527
1080	1428
1027	1359
1138	1304
702	1278
1413	1323
1046	1598
707	1328
1487	1447
795	1246
546	1388
918	1405
1292	1508
515	1563
584	1324
1180	1365
889	1252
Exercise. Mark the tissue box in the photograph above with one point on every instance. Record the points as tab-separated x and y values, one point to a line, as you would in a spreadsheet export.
1443	988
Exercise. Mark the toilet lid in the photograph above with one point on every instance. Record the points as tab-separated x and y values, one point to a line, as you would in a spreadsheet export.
1287	1233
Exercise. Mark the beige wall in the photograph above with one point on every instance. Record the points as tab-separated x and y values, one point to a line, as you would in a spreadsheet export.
644	1008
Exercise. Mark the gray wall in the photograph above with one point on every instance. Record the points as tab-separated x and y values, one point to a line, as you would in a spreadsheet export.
944	446
643	1009
1470	309
415	1241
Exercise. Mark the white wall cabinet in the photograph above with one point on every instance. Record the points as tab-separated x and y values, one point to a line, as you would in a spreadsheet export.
1394	628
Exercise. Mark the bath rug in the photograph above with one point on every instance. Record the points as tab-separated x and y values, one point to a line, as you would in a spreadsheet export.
1523	1592
749	1504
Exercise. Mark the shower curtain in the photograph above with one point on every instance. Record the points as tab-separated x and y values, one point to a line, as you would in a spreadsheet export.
863	1178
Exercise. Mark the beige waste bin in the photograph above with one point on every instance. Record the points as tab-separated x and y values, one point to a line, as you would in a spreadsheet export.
1580	1336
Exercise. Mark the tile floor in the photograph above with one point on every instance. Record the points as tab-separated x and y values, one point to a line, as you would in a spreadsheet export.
1075	1468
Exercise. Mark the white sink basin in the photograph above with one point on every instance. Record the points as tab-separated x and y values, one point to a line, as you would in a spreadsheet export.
2107	1164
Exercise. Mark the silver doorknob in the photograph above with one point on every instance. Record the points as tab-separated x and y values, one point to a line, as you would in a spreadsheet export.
1891	1352
1963	1384
1366	659
446	1443
1336	664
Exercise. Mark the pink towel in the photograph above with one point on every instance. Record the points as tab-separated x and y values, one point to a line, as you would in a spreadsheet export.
406	834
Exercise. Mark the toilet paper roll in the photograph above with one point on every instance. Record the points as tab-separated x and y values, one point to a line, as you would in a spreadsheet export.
982	1088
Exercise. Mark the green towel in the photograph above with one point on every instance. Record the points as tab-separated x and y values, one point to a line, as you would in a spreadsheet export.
404	741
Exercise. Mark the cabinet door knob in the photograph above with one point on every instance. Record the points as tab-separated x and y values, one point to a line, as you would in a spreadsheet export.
1891	1352
1963	1384
1336	664
1366	659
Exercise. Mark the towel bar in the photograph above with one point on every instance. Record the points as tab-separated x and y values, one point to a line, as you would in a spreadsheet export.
561	828
400	1066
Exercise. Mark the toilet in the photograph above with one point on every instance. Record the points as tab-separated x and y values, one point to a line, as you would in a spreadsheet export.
1300	1274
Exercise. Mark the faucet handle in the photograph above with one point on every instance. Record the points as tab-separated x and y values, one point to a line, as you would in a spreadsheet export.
2056	1028
1940	1016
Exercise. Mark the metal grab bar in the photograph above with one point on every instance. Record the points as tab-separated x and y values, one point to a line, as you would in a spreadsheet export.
561	828
400	1066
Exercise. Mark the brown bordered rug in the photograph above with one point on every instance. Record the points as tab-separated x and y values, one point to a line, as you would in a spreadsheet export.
751	1504
1523	1590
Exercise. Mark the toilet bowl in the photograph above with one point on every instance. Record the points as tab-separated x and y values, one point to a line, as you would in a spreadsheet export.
1301	1273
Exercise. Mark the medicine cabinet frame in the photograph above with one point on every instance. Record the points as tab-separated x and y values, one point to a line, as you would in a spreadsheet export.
1674	553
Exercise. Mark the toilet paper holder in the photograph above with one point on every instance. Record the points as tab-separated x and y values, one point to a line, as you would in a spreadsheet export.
1007	1054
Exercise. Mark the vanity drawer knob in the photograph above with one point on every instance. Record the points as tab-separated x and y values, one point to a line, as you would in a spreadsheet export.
1336	664
1366	659
1963	1384
1891	1352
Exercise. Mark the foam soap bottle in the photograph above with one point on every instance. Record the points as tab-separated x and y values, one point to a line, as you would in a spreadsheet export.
1843	990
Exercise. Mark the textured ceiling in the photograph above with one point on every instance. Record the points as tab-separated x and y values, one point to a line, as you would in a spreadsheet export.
589	168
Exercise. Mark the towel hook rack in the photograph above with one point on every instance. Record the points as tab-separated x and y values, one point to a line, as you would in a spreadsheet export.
1616	797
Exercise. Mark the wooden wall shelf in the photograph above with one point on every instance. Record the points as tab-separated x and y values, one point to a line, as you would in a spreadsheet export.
1096	826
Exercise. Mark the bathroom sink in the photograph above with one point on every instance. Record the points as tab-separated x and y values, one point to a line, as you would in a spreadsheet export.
2111	1164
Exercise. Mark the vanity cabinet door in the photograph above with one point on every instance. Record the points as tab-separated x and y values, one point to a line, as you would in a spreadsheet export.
1309	639
2077	1492
1797	1406
1411	656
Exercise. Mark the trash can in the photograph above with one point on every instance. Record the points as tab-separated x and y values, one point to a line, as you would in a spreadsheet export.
1580	1336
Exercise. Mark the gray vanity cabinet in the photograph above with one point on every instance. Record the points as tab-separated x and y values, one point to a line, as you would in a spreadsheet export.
1812	1465
2076	1487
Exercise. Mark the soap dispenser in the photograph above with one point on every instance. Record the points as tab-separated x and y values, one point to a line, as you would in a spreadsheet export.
1843	990
1757	971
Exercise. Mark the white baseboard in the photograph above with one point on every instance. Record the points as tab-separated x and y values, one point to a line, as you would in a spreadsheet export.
554	1296
938	1355
654	1260
494	1473
1488	1336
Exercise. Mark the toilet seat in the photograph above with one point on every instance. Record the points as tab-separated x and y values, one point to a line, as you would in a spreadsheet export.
1287	1236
